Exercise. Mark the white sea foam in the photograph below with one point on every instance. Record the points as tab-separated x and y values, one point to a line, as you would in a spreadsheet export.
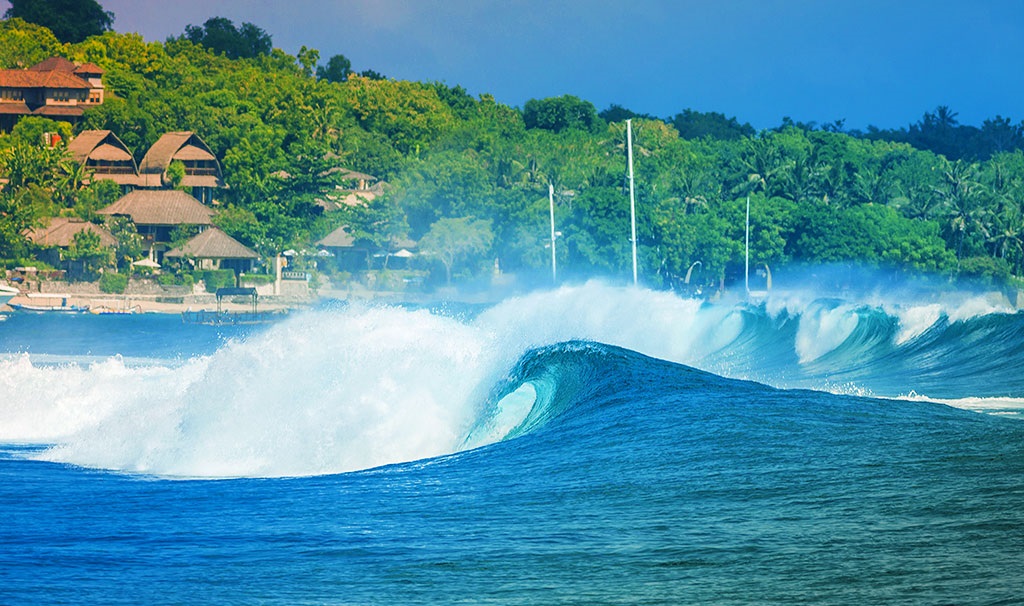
1005	406
915	320
823	329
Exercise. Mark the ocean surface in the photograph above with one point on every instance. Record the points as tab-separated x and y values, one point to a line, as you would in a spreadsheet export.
586	445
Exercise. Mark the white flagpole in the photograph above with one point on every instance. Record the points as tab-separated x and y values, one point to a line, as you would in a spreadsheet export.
746	263
551	202
632	198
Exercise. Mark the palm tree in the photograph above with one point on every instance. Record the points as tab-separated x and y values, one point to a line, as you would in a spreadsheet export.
761	163
963	198
72	178
1007	237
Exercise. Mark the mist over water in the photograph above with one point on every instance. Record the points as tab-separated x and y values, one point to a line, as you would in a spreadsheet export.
360	386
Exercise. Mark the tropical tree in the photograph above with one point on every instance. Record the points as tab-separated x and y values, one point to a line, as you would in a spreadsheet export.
337	69
69	20
87	252
452	241
222	37
962	195
23	44
557	114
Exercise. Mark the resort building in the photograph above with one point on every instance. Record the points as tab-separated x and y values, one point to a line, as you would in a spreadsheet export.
106	157
202	170
156	213
56	89
350	255
59	234
347	255
214	249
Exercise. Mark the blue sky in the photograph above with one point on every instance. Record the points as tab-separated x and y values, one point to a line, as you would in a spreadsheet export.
866	61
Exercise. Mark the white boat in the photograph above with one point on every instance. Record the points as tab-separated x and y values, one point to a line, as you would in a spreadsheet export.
47	304
7	293
48	308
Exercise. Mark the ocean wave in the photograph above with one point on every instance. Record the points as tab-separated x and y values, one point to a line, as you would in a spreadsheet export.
343	389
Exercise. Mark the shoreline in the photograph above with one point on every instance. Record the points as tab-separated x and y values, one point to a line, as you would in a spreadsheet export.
137	303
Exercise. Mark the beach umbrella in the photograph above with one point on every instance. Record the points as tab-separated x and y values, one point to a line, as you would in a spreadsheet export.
146	263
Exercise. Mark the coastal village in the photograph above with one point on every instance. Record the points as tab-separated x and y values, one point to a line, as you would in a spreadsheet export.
160	203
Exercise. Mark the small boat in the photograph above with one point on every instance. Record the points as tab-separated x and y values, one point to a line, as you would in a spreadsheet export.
63	307
77	309
115	311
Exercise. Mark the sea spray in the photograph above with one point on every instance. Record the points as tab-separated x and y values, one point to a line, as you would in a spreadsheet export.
48	403
324	392
340	389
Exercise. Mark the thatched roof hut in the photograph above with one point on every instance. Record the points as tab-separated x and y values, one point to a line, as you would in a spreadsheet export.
201	166
339	238
61	231
213	244
106	156
160	207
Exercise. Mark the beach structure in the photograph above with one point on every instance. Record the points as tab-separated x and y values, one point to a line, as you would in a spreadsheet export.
59	234
157	212
61	231
214	249
106	157
348	254
202	170
55	88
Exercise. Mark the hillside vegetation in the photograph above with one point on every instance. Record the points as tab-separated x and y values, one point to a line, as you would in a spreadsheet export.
480	170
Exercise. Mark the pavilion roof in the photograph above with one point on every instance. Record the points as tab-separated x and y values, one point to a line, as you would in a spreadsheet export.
160	207
213	243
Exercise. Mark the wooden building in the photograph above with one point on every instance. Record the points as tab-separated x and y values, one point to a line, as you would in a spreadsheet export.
106	157
56	89
214	249
202	170
59	234
157	212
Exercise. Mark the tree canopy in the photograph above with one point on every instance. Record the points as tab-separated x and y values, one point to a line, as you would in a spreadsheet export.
222	37
70	20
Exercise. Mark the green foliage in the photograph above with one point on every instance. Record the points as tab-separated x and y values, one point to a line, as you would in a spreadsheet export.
256	278
410	115
86	251
24	44
69	20
175	173
222	37
986	270
452	241
338	69
113	283
215	278
129	242
693	124
557	114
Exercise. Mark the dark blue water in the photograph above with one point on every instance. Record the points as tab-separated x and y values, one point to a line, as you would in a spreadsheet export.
624	479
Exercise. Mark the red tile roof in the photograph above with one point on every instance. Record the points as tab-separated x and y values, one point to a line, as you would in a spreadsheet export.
54	64
20	78
89	68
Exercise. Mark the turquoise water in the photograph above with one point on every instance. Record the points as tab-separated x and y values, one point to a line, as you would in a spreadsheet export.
586	445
